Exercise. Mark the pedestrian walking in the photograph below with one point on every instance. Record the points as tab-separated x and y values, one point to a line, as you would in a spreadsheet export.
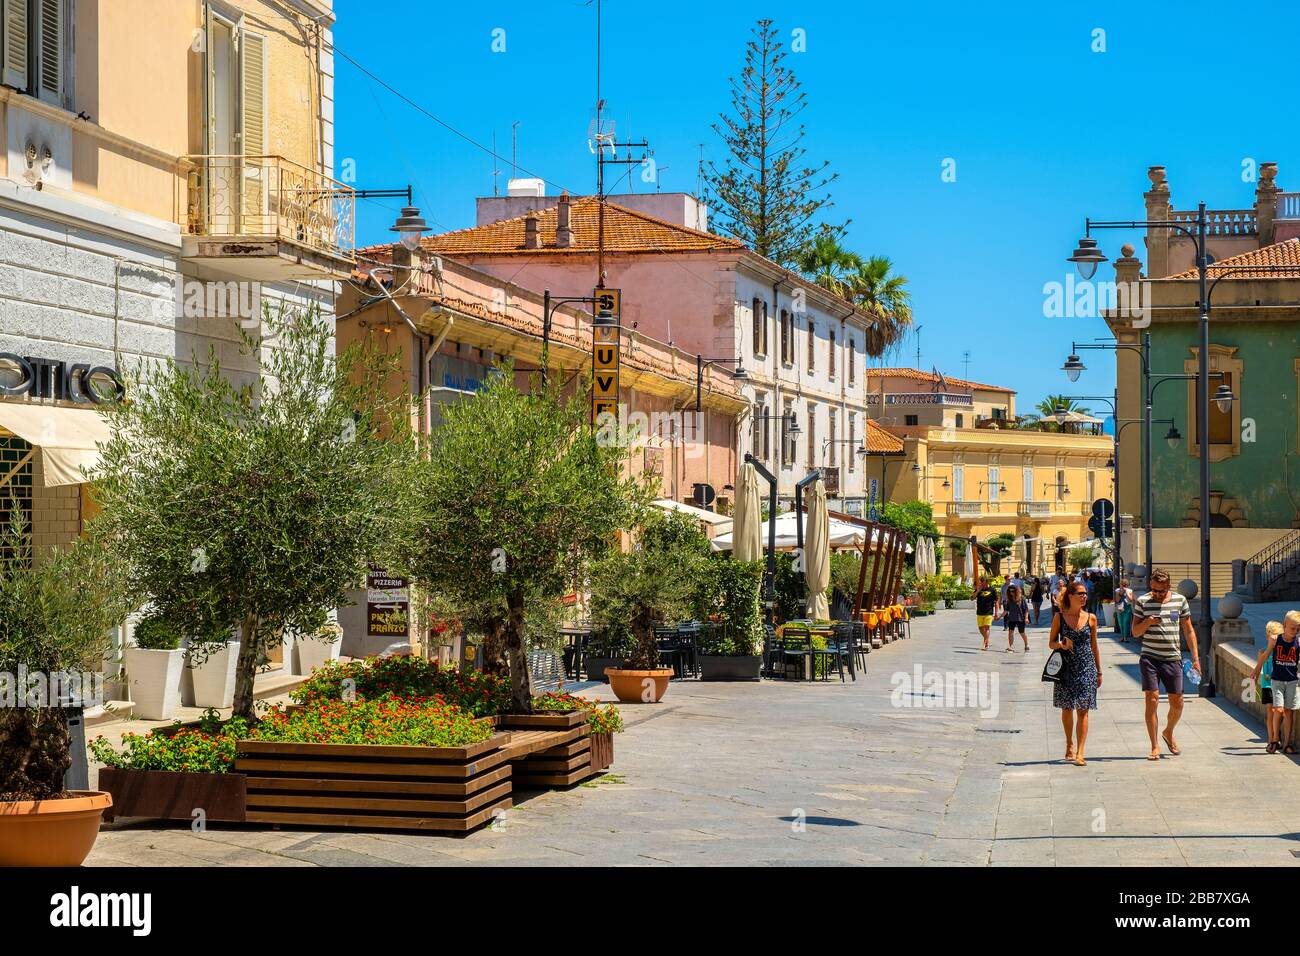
1284	651
1074	632
1124	610
1015	612
986	606
1159	616
1036	594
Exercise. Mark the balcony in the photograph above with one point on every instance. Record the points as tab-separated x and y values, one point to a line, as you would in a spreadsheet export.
965	509
1034	509
953	399
1288	206
267	218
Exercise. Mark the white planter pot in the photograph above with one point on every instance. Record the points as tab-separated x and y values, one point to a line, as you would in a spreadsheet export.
312	654
212	683
154	681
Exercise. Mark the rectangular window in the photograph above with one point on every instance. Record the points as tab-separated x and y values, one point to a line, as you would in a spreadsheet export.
1220	421
1027	476
1060	485
833	429
36	46
759	435
994	479
830	354
961	420
911	420
958	483
760	326
787	338
812	345
1092	486
787	440
853	361
812	434
853	442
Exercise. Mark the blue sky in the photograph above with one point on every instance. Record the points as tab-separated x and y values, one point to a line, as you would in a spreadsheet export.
1043	130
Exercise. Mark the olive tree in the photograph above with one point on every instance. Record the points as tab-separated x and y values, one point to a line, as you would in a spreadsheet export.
519	494
257	505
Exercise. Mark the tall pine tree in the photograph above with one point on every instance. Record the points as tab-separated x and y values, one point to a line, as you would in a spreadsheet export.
764	195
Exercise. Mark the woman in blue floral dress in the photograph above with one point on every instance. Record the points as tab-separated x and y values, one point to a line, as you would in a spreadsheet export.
1074	631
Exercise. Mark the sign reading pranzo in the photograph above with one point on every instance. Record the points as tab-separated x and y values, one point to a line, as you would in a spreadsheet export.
388	604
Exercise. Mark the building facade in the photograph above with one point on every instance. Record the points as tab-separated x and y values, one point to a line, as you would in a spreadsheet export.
1254	348
166	175
802	348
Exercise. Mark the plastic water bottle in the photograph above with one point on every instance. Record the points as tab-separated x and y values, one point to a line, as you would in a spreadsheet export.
1192	677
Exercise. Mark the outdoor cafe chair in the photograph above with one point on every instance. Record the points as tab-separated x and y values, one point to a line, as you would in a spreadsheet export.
688	639
670	650
844	646
794	649
770	650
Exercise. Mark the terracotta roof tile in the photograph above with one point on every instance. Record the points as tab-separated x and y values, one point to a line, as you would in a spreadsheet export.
877	440
917	375
626	230
1279	254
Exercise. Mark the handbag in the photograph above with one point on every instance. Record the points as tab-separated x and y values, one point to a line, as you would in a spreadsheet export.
1056	667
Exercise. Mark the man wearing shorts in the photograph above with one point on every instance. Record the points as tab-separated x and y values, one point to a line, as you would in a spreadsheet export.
986	605
1159	616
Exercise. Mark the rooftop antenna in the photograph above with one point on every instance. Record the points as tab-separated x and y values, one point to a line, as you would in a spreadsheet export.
514	149
496	190
918	348
699	174
659	177
965	358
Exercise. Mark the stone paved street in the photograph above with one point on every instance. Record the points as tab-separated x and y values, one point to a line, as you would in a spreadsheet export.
855	774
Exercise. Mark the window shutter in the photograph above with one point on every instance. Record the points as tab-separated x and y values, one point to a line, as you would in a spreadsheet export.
49	50
15	43
252	93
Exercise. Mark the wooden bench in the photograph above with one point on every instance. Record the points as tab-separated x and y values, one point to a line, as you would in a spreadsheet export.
548	750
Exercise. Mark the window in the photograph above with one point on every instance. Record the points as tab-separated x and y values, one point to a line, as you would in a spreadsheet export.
760	326
958	483
37	48
961	420
911	420
1060	484
1092	486
853	442
812	345
1027	483
812	434
1225	427
787	440
235	94
787	338
830	354
832	434
994	480
759	436
853	361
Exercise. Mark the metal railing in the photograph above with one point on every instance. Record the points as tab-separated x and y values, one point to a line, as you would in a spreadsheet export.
1221	222
270	197
965	509
1276	559
923	398
1220	574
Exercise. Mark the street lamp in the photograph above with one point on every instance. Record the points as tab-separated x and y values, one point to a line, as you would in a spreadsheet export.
738	375
1073	368
1087	257
1223	398
1172	438
410	226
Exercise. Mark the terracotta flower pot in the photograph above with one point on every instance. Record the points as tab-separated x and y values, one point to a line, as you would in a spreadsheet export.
637	686
51	832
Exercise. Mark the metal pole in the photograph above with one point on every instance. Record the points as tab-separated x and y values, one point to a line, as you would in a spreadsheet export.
546	332
1205	623
1146	450
1119	514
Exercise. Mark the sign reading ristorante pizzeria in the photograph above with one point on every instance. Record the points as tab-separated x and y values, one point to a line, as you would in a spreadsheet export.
388	604
80	382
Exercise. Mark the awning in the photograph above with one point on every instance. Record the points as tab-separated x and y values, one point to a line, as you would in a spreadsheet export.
708	517
67	437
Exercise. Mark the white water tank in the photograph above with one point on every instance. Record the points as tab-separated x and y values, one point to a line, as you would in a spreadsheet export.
526	187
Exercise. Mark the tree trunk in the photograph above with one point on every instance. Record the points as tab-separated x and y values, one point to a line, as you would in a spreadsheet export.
246	667
521	680
34	752
495	659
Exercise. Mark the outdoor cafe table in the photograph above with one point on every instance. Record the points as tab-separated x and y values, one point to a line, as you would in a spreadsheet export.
816	630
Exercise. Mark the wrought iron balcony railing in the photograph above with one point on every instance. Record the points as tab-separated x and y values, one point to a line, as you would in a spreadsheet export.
270	198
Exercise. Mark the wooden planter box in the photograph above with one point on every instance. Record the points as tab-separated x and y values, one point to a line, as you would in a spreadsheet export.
361	786
602	751
169	795
548	749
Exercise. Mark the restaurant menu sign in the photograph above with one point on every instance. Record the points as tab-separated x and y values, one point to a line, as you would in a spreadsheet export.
388	604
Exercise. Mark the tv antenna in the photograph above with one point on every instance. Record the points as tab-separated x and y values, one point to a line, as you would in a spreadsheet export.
918	348
965	358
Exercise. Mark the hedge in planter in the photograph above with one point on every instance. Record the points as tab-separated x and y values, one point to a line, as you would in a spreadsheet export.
728	596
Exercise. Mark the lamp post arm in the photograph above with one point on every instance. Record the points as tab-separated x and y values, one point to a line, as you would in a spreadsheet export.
1114	347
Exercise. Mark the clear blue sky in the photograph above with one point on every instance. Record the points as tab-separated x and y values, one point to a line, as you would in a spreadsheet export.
1043	131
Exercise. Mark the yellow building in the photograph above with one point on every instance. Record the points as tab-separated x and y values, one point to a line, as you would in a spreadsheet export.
167	171
965	455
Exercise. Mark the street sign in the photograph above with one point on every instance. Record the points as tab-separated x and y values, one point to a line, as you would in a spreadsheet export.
609	304
1103	508
1101	527
872	514
604	371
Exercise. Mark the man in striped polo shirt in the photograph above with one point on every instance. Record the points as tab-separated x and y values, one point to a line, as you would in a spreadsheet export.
1159	616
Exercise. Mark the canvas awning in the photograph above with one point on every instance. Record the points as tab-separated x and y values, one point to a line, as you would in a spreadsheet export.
708	517
67	437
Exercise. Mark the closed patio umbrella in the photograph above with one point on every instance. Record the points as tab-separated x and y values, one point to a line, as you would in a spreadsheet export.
747	529
968	573
817	553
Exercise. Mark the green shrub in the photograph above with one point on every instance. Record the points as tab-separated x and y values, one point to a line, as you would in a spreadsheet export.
209	749
419	722
604	719
155	632
478	694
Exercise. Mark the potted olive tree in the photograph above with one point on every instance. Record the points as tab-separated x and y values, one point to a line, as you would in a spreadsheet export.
57	617
259	506
634	591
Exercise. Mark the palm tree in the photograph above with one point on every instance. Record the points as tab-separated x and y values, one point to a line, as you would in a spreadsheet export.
827	263
1044	414
877	290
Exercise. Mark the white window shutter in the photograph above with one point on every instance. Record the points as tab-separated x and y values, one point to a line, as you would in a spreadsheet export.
49	50
15	43
252	90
